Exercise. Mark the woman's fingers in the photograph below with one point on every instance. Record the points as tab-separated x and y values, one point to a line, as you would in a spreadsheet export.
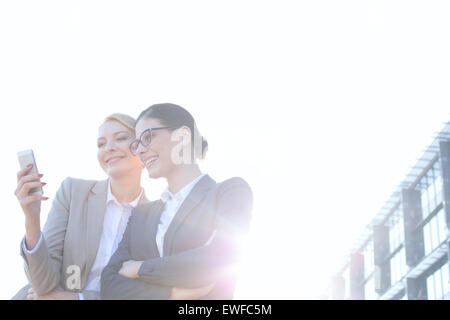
32	296
34	197
30	202
191	294
200	292
203	291
26	179
24	191
24	171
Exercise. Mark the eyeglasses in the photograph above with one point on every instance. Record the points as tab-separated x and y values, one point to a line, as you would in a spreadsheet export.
145	139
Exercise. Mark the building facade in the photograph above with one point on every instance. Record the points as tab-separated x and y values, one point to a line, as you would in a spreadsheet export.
403	252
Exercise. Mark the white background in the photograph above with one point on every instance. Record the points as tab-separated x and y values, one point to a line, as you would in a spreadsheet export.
322	106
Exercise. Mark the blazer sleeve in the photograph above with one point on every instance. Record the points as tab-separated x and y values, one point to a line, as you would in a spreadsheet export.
117	287
43	265
90	295
204	265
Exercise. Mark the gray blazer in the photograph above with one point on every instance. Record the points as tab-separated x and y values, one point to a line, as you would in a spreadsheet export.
199	246
71	238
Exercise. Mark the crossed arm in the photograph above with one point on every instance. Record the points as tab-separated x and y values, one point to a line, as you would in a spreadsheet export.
154	278
115	286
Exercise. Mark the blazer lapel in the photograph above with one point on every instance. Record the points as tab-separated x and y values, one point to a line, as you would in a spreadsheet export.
192	200
153	220
96	207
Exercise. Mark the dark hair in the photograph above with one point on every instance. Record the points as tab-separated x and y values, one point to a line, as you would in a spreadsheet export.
172	115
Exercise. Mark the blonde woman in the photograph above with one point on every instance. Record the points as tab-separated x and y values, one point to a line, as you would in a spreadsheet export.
86	221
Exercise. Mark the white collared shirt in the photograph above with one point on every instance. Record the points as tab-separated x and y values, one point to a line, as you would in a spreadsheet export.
172	204
114	225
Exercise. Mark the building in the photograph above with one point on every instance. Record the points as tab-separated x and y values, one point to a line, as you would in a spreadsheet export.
403	252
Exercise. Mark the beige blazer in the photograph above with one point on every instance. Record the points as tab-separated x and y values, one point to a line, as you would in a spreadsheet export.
71	238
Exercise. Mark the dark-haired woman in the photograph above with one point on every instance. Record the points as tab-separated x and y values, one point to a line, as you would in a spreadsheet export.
183	246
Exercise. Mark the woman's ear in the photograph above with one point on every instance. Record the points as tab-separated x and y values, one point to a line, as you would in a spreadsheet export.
187	132
185	135
182	137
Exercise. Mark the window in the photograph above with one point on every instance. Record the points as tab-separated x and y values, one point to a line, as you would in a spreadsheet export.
445	279
430	288
431	189
369	264
369	289
425	206
398	266
435	232
442	225
346	276
437	283
438	182
404	266
396	229
427	238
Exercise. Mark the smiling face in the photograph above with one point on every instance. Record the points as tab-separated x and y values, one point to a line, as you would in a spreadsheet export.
157	156
113	153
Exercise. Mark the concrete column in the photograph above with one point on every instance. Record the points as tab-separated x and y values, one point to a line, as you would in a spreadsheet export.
416	289
338	288
356	276
412	216
444	157
381	252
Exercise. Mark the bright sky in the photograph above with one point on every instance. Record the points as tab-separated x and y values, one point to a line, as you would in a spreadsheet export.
322	106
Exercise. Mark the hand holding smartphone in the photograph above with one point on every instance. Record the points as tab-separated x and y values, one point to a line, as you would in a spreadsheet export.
26	157
29	193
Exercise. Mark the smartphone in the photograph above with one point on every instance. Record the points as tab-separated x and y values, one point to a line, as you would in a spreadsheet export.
26	157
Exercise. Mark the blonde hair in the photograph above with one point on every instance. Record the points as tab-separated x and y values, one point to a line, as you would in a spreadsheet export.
124	119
